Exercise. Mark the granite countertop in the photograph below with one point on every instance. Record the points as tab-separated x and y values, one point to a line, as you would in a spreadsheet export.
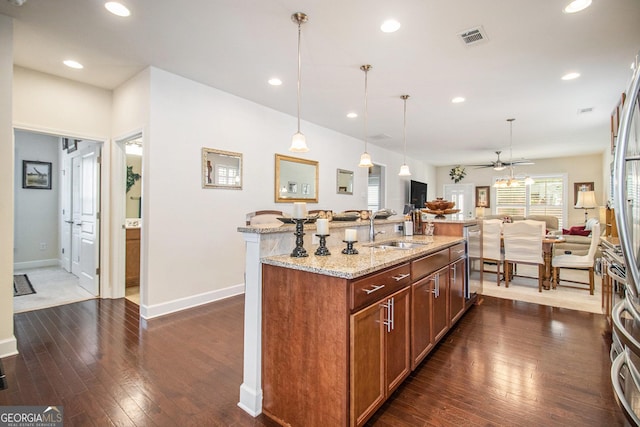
280	227
368	260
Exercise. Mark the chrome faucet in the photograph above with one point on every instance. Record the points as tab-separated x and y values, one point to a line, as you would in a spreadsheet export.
372	216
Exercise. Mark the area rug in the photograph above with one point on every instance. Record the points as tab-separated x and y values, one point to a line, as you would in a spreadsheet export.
525	289
22	285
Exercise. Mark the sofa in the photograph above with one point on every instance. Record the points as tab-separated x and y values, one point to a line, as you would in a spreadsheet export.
551	221
577	239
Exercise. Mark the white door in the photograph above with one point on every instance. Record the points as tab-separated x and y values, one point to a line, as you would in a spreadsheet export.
463	195
67	218
85	207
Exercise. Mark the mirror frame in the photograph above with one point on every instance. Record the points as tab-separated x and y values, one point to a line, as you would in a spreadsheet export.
338	187
280	158
205	153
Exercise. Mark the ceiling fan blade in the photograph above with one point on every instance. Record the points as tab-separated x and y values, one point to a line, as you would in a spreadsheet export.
519	162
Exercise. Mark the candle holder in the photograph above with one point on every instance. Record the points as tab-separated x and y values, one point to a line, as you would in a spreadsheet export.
299	251
322	249
349	250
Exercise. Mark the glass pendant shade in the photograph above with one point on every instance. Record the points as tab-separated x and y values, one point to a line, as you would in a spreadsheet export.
404	171
298	143
365	160
528	180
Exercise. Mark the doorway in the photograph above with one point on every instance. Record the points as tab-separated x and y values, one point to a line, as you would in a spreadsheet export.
56	228
376	188
133	216
464	197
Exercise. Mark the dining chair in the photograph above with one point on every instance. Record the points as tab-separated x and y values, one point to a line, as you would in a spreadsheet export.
578	262
523	245
492	245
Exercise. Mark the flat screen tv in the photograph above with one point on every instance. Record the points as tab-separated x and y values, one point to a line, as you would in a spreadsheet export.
418	194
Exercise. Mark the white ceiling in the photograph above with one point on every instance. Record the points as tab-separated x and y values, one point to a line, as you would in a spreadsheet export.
237	45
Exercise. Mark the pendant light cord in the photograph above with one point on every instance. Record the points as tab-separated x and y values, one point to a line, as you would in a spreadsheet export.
404	129
299	74
366	72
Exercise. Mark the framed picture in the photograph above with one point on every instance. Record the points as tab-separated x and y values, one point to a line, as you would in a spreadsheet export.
483	197
305	189
65	144
581	186
36	174
72	146
292	187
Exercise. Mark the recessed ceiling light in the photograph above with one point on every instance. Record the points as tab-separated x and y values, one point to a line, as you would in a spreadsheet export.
570	76
73	64
117	8
275	81
352	115
390	26
577	6
458	99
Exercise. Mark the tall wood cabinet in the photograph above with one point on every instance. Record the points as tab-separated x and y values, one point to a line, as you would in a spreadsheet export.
132	265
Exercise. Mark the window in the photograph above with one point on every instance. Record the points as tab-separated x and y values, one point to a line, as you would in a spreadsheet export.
544	197
375	188
226	175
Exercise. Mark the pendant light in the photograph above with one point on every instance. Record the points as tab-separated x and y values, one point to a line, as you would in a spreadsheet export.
404	169
299	142
365	158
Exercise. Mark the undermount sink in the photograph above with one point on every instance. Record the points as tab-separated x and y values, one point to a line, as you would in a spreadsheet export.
397	244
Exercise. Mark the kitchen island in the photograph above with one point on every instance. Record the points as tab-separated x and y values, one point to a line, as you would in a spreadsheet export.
341	332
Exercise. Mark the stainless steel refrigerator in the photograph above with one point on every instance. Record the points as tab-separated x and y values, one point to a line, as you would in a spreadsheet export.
625	351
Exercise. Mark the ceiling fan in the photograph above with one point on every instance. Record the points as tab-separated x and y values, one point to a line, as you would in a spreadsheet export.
499	165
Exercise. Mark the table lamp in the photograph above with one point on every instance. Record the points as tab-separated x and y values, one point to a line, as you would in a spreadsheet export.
586	200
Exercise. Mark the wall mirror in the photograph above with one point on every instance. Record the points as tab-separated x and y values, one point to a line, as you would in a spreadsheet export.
344	182
296	180
221	169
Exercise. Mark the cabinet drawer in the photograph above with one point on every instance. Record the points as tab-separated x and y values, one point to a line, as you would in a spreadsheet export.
427	265
456	251
369	289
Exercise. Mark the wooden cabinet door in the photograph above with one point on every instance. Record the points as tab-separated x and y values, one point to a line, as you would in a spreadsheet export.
456	290
440	318
397	345
421	301
367	362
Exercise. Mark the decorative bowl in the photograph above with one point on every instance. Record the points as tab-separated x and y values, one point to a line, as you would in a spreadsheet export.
440	204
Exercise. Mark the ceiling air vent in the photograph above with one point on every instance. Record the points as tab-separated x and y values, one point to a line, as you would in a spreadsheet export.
380	137
473	36
585	110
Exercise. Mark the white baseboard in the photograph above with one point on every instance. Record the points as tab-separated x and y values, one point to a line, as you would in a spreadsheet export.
36	264
156	310
8	347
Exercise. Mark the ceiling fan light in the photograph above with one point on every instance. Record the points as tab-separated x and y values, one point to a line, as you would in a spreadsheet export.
298	143
499	168
404	171
528	180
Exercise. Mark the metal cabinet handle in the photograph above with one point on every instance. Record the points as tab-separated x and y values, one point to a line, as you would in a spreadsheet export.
616	368
68	222
455	271
400	277
616	317
373	289
390	314
436	285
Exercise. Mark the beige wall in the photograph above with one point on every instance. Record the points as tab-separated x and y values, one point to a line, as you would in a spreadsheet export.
587	168
7	339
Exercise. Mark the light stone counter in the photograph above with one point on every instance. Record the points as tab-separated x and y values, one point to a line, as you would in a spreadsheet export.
368	260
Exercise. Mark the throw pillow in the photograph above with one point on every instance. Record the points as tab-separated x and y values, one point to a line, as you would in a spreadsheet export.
590	223
579	230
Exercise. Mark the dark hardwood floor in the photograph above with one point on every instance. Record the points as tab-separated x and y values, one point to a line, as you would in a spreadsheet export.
506	363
